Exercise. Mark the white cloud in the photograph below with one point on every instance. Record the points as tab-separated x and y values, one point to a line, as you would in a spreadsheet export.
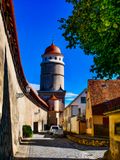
35	86
69	97
70	94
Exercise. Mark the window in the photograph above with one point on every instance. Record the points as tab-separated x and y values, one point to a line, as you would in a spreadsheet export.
83	99
74	111
54	127
55	58
104	85
50	57
45	58
60	59
117	128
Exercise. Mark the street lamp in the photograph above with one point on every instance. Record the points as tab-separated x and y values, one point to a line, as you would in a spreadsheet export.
20	95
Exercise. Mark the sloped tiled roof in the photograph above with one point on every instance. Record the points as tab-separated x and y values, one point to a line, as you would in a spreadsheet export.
104	94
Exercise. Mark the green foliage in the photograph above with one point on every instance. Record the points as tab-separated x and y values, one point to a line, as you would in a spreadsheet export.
27	131
95	27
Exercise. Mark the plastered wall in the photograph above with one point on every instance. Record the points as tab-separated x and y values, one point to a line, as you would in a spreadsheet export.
22	110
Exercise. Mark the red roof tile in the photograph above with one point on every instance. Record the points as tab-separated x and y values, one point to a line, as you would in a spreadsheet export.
104	94
103	90
52	49
53	97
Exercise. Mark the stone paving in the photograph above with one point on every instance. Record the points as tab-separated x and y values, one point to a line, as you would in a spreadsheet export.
45	147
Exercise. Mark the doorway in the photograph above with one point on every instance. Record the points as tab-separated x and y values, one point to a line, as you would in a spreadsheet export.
35	127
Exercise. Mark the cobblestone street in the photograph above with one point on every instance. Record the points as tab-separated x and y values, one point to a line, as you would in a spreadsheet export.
45	147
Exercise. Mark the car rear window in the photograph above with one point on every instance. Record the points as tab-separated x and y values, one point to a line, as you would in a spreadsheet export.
54	127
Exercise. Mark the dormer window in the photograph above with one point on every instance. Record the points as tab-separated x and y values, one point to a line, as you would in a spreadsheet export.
104	85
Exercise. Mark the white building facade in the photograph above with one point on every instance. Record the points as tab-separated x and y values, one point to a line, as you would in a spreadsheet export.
78	105
74	113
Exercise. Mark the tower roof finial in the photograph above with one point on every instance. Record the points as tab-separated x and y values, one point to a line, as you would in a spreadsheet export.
52	39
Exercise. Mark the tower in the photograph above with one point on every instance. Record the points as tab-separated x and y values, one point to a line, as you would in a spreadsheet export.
52	82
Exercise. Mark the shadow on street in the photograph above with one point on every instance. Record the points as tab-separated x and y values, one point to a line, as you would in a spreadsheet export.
48	158
51	141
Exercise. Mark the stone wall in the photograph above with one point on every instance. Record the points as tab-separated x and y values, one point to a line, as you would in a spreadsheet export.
52	76
75	126
15	112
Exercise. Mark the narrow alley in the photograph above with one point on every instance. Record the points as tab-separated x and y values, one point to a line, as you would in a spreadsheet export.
46	147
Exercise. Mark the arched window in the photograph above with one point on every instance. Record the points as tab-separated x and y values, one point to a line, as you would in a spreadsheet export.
55	58
50	57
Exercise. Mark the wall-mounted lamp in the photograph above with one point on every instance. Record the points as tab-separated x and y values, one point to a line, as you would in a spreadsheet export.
37	112
20	95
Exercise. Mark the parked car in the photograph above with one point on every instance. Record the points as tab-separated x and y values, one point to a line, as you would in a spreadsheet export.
56	130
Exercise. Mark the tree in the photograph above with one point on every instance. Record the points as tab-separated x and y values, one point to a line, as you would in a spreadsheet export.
95	27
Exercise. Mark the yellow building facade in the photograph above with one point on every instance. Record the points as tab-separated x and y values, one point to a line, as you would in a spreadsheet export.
94	121
114	125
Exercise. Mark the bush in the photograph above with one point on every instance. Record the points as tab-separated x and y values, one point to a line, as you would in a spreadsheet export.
27	131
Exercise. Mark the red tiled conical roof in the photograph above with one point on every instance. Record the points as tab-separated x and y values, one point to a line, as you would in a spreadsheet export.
52	49
53	97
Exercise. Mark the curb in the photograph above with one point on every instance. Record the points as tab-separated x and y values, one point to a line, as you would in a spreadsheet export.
89	142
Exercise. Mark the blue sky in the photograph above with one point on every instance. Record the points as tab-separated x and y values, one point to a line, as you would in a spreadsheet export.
37	25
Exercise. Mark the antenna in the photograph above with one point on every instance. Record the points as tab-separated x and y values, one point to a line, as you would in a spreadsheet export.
53	39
